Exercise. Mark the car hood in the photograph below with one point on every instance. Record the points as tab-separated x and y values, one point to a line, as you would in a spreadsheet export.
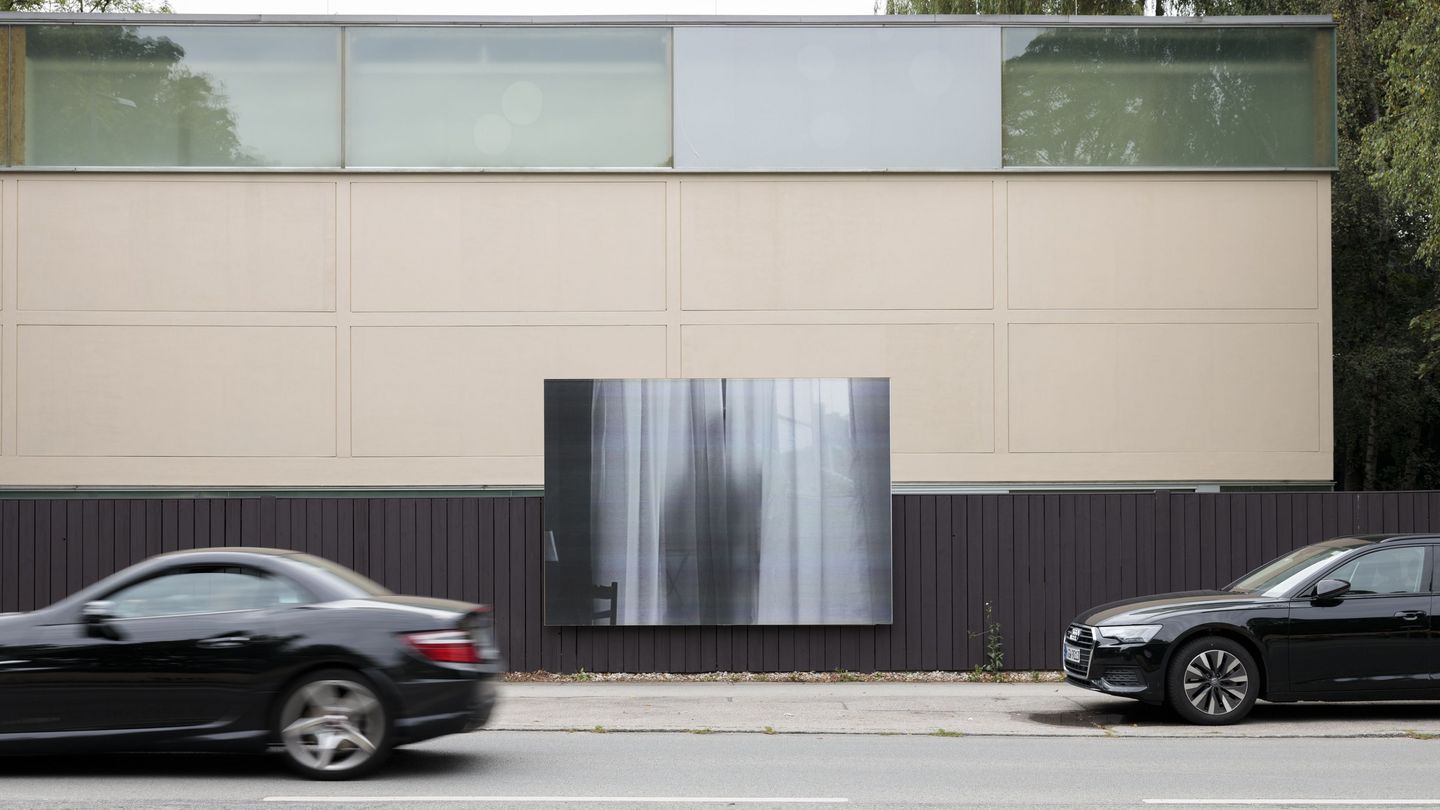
1155	609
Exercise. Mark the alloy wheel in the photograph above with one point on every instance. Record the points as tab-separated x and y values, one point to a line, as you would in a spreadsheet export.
1216	682
332	725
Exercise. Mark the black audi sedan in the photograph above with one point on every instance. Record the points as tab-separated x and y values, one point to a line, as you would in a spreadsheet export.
1348	619
245	649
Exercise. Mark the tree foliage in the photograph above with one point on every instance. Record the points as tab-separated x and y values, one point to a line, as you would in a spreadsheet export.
1015	7
1402	145
83	7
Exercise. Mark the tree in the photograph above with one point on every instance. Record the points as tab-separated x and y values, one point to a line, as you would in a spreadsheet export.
82	7
1402	145
1015	7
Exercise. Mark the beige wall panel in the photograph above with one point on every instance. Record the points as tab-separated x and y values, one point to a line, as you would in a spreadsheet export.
1163	244
508	246
942	375
176	391
478	390
176	245
1114	388
852	244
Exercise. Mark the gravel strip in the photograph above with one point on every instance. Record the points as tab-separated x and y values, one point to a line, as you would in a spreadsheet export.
838	676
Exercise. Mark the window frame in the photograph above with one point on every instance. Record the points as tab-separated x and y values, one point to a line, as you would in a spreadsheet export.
1427	565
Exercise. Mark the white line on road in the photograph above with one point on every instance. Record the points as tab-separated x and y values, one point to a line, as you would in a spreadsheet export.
1298	802
563	799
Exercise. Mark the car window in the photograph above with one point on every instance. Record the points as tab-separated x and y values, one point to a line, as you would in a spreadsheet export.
212	589
1393	570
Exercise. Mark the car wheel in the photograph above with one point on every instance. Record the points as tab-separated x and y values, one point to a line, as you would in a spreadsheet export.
333	726
1212	681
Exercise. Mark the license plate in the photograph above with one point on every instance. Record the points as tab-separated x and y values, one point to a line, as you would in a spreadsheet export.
1072	654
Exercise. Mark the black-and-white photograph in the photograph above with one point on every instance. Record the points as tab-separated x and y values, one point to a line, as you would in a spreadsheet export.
717	502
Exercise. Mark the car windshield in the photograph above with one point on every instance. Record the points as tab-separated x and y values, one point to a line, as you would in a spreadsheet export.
1278	577
367	586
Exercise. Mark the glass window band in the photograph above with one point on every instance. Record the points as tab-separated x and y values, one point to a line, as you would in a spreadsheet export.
276	97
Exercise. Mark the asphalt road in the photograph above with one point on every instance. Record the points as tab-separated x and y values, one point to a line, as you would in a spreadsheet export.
587	769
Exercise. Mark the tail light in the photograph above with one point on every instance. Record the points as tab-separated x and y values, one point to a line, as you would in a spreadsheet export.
446	646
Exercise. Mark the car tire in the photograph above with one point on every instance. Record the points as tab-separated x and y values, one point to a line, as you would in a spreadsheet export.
332	725
1212	681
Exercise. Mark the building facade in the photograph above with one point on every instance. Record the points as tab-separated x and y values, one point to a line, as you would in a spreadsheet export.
345	253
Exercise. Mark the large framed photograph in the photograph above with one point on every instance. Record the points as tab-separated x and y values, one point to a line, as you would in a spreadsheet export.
717	502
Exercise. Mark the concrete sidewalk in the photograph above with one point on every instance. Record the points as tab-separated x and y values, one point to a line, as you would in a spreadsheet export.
989	709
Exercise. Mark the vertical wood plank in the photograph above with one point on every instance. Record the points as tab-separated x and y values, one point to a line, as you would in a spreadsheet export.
990	552
105	537
1035	587
1207	542
345	517
58	555
330	530
1069	576
897	626
1222	540
249	523
1017	629
945	587
929	557
90	542
914	572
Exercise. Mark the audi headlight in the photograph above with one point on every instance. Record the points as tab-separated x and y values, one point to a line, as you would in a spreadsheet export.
1126	634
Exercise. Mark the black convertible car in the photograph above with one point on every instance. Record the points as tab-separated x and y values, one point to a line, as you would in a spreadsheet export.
243	649
1348	619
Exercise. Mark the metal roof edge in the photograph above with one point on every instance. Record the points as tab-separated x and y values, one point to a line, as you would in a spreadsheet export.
877	20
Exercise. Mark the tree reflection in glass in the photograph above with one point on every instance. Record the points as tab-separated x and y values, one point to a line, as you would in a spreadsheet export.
1159	97
110	95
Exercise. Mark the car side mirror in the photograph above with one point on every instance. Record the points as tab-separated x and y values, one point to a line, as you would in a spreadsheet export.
1329	589
98	612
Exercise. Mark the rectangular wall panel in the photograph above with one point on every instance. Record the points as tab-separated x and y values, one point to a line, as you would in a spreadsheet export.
1110	388
1163	244
176	391
941	375
506	246
238	245
844	244
479	391
749	97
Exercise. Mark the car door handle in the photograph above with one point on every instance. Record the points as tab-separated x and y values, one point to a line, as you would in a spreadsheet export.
221	642
1409	615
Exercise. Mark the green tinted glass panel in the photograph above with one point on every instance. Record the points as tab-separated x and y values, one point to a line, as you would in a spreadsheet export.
110	95
1162	97
481	97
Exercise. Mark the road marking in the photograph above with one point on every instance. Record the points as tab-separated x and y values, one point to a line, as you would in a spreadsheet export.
563	799
1301	802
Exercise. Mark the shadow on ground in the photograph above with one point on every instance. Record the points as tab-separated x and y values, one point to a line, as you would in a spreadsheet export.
1134	713
403	764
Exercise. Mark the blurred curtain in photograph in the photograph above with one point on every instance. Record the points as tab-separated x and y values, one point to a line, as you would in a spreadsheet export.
742	501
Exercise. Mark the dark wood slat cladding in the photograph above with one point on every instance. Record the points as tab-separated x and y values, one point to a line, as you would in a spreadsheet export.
1035	559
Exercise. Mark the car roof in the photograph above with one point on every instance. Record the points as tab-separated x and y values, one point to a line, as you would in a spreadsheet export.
187	552
1396	538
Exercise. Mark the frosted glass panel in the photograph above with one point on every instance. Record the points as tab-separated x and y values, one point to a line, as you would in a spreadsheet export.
1242	97
475	97
110	95
837	98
